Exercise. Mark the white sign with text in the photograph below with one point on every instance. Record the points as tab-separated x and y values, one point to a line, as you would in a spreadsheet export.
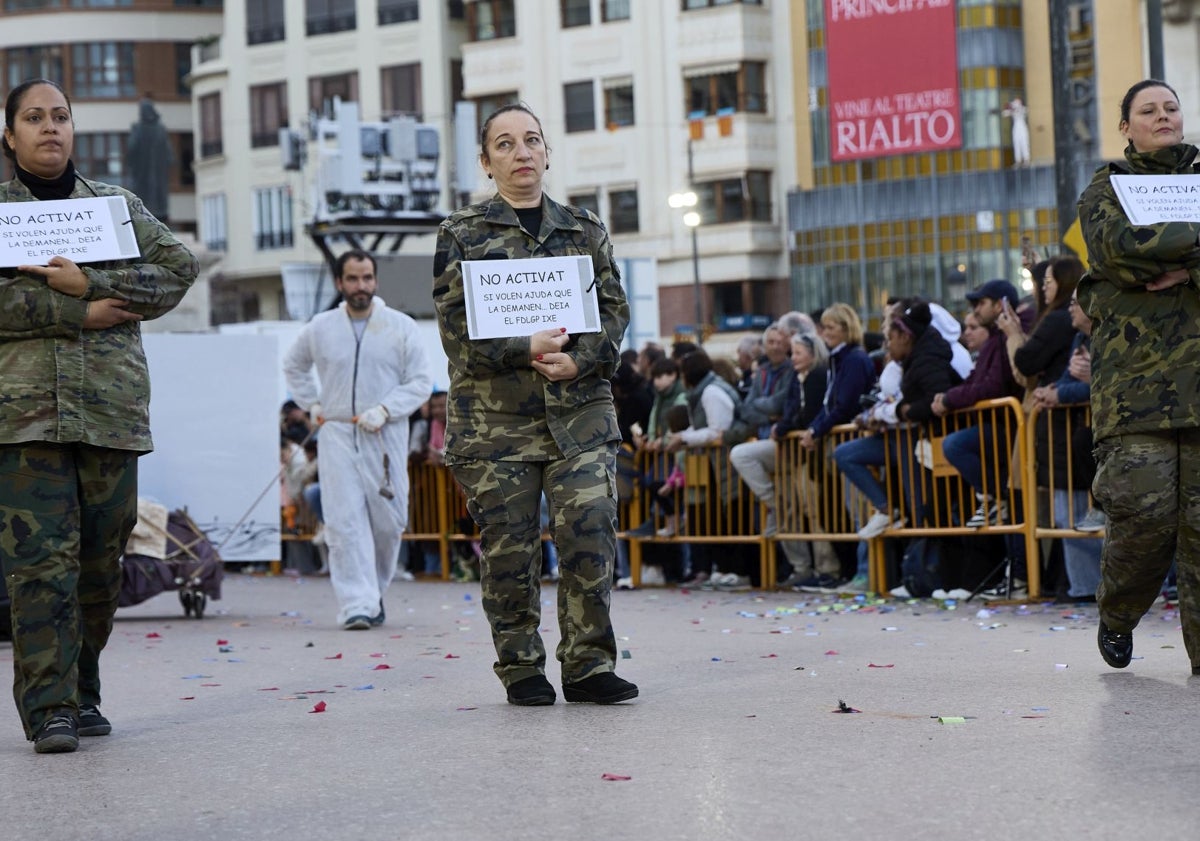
1153	199
82	230
508	298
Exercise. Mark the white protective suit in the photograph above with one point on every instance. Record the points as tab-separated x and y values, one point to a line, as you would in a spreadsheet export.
387	367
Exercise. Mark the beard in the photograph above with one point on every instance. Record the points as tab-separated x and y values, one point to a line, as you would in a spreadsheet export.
359	302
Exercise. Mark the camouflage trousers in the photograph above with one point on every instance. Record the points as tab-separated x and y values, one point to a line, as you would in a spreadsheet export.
504	498
1149	486
65	514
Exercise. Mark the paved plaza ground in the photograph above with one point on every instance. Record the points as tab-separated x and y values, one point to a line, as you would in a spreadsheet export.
970	723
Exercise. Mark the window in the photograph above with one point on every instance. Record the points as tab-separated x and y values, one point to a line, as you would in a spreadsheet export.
491	19
323	89
704	4
43	62
623	211
576	12
268	114
744	199
401	90
579	107
324	16
101	156
272	218
210	125
102	70
614	10
487	105
264	21
588	201
618	103
185	143
740	87
213	223
398	11
183	66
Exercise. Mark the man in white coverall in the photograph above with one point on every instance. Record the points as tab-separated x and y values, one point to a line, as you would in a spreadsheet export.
373	374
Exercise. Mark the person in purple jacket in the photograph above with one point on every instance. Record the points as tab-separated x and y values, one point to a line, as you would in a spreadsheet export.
991	378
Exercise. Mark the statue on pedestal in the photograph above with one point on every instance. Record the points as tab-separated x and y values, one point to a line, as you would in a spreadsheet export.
1020	130
148	159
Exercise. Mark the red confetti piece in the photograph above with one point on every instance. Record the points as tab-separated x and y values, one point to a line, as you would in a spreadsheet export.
269	689
830	651
319	708
767	656
381	667
877	666
451	657
337	656
188	698
615	777
463	709
154	635
377	654
222	642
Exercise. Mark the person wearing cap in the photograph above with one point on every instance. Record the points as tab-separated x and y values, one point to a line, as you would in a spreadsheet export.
968	450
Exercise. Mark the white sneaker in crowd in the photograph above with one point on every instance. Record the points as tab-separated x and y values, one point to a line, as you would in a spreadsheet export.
1093	521
625	583
900	592
879	523
652	575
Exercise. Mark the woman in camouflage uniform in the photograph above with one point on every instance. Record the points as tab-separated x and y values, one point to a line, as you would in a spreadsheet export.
74	417
534	414
1142	295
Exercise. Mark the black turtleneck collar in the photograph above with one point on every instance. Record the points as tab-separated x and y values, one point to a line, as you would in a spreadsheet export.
48	189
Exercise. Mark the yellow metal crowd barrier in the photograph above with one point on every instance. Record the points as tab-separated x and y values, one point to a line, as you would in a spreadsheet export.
813	502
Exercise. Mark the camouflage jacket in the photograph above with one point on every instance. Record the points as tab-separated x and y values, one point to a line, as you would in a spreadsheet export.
1145	345
499	407
63	383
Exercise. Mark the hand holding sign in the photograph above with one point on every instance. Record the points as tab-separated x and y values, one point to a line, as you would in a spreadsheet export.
61	275
509	298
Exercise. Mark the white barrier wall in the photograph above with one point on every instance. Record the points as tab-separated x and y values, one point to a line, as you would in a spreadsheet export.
214	415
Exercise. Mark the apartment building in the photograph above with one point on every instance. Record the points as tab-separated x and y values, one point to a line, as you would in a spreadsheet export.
108	55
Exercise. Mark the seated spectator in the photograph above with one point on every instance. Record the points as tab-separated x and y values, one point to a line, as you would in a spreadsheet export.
761	409
633	396
749	355
991	378
1081	556
713	407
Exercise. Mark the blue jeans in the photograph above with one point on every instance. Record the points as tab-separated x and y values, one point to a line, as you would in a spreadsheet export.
966	451
1081	555
890	450
856	458
312	498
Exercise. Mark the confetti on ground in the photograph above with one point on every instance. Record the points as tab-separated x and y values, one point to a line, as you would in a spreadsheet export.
196	677
225	649
364	688
615	777
269	689
222	642
830	653
451	657
625	655
878	666
337	656
154	635
380	667
210	684
188	698
319	708
952	719
465	709
767	656
843	707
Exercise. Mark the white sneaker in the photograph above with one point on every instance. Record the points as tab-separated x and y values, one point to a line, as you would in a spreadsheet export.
1093	521
900	592
625	583
878	524
666	531
957	594
405	575
988	514
652	575
732	581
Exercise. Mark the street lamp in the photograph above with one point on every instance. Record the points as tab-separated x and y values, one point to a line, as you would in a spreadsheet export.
692	219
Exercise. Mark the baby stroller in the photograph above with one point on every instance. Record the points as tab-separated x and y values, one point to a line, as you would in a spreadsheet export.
190	565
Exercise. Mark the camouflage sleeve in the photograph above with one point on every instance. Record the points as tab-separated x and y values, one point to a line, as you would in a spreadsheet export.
157	282
600	352
472	356
29	309
1127	254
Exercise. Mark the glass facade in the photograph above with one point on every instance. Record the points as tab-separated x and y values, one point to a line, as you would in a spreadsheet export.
935	224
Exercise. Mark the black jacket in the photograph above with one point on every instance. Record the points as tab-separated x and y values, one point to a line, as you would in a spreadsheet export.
927	371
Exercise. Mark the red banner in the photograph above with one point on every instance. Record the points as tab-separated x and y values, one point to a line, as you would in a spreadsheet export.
893	77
